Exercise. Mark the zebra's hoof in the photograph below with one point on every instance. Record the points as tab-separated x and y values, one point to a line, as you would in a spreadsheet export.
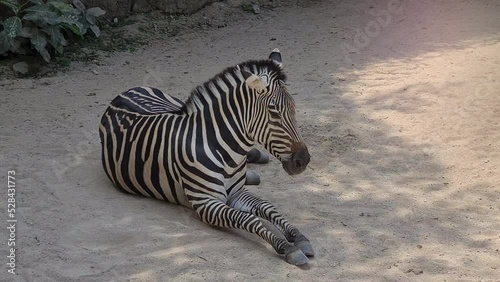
296	257
257	156
252	178
306	247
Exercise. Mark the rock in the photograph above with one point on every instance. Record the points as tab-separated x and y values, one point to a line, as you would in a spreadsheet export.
21	68
95	72
255	9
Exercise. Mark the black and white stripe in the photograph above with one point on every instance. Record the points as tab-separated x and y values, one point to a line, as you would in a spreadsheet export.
194	153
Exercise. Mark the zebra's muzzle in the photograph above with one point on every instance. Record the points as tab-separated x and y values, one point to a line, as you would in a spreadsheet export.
299	160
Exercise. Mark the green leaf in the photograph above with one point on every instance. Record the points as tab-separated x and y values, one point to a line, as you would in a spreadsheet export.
90	19
11	44
56	38
57	46
12	4
74	24
74	29
96	30
37	2
69	19
42	13
45	54
54	33
17	48
84	25
79	5
5	42
12	26
39	41
26	32
96	12
41	8
48	17
62	7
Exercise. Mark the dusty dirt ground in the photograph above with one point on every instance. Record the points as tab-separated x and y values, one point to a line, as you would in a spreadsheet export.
403	129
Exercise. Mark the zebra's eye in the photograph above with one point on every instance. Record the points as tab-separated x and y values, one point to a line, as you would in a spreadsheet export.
261	91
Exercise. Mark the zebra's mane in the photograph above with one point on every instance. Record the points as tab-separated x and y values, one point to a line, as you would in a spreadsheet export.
254	66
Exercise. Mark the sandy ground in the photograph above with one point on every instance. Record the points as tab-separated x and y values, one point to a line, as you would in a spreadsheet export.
403	129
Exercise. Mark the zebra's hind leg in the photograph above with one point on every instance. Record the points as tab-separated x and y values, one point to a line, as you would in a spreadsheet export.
217	213
247	202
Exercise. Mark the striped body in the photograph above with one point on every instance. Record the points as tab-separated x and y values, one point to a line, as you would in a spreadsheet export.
152	145
194	153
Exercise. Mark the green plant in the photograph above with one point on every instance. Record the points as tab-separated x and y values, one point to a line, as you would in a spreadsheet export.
42	25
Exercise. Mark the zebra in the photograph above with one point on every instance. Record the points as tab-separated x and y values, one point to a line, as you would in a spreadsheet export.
194	153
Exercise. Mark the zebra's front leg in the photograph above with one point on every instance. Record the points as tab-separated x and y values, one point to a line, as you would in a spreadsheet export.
252	178
217	213
247	202
259	157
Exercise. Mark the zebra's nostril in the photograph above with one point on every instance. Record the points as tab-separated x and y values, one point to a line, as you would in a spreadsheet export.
300	158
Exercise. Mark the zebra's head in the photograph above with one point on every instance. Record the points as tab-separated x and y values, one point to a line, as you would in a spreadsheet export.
273	124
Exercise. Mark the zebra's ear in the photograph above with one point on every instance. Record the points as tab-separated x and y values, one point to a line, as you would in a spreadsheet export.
253	81
276	56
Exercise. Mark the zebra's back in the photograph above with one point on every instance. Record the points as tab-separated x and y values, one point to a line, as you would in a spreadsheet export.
136	151
148	101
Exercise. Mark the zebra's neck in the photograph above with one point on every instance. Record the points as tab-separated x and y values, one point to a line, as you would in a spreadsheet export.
220	89
225	100
221	104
